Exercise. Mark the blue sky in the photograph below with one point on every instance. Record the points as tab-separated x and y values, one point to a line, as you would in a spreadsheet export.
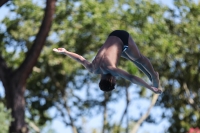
60	128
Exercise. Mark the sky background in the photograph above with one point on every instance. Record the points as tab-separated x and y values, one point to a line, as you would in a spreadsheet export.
96	121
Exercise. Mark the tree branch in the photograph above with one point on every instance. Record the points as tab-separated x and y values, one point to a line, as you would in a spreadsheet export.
2	2
62	114
104	104
34	127
188	96
125	110
69	114
26	67
104	119
139	122
3	69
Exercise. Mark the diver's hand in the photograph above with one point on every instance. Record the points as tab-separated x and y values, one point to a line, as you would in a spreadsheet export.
60	50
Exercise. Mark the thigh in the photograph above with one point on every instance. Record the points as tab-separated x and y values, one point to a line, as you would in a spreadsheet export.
132	52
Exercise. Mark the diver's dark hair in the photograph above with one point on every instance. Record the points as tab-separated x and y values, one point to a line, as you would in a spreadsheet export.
106	85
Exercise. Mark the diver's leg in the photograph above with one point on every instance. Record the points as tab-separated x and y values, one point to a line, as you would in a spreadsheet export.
134	54
138	65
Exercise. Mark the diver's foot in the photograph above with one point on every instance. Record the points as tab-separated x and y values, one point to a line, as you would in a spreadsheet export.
156	90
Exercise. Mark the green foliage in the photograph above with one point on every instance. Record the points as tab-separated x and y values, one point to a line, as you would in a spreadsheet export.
5	120
175	38
21	28
169	37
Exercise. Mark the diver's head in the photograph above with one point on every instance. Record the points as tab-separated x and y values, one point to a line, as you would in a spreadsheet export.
107	82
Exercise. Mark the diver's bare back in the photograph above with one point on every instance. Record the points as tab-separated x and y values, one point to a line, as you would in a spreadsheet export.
108	55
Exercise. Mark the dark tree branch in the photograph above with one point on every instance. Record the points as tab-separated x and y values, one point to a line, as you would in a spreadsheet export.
60	109
104	104
3	69
2	2
26	67
125	110
69	114
63	114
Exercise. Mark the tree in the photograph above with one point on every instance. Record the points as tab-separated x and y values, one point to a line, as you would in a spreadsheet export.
182	78
177	61
52	82
82	27
14	79
160	32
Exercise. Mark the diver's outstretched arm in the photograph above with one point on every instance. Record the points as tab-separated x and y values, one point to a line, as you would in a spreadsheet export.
76	57
134	79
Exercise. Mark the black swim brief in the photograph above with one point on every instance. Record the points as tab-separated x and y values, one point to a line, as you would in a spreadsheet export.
123	35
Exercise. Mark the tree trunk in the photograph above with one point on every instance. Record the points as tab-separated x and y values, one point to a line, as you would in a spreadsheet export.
2	2
14	82
15	101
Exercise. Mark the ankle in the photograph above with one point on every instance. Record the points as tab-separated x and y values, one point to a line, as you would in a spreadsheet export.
155	75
